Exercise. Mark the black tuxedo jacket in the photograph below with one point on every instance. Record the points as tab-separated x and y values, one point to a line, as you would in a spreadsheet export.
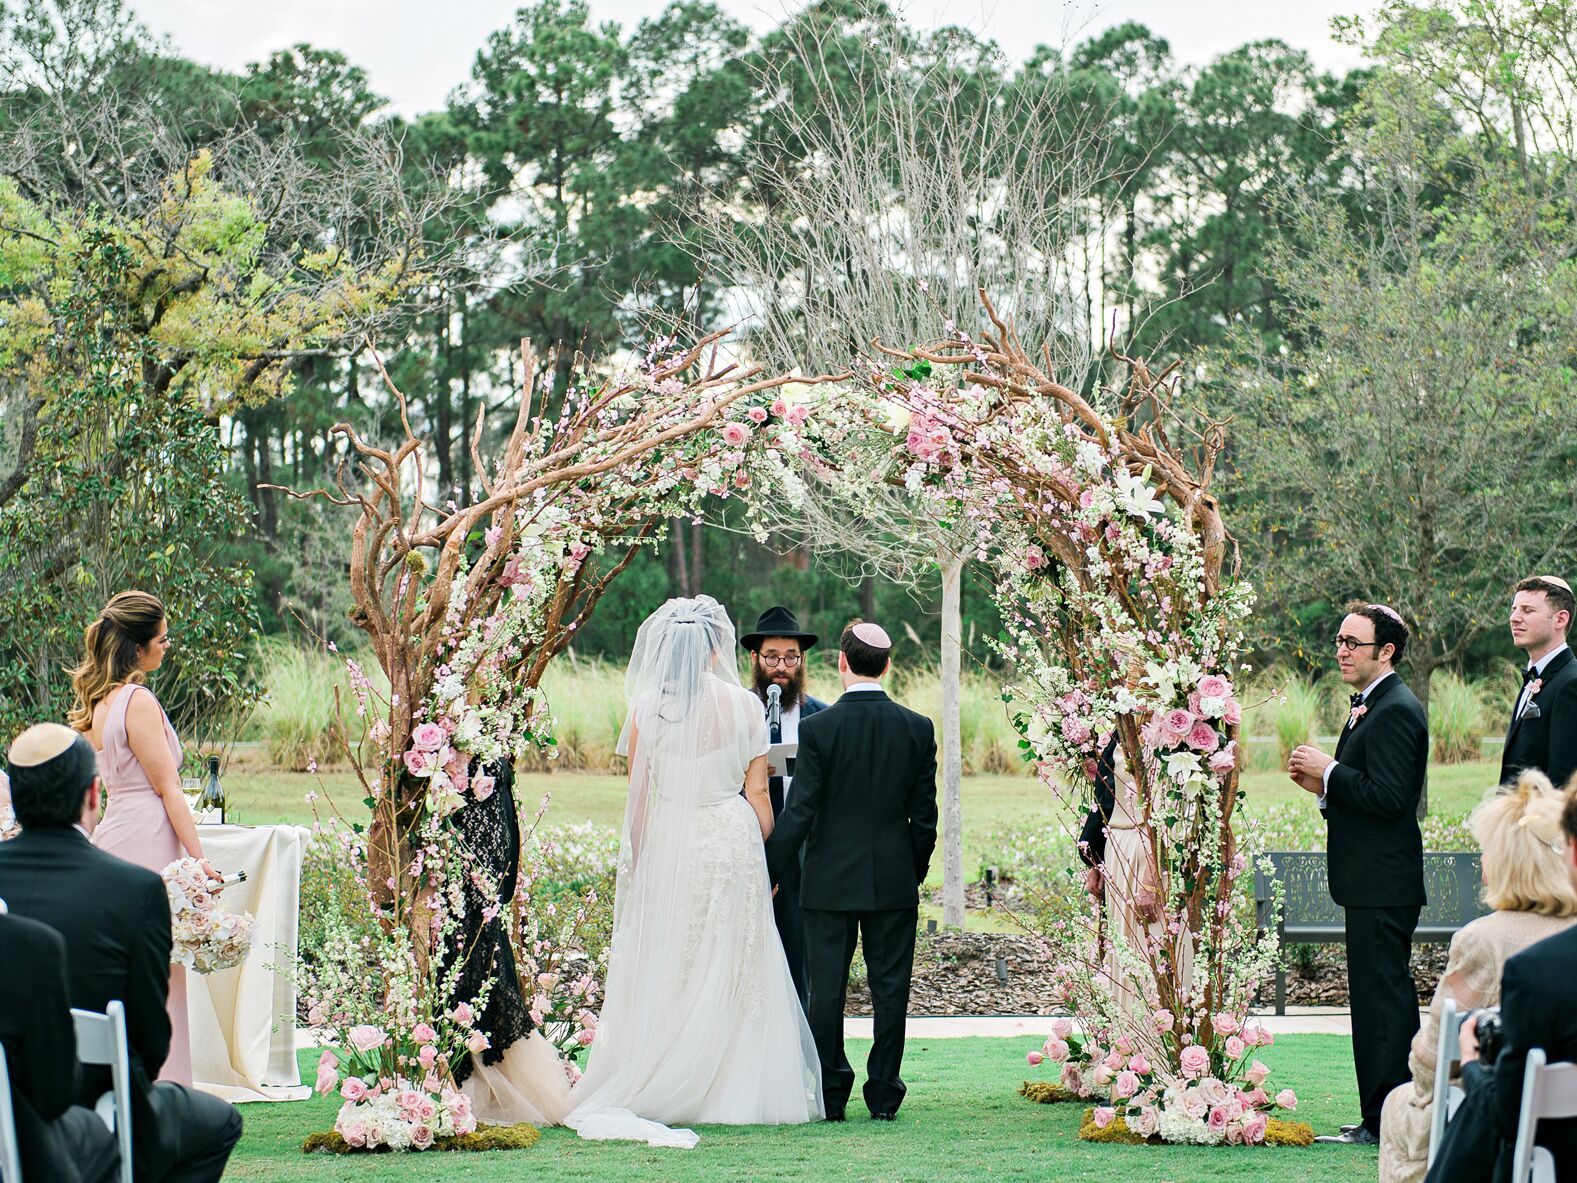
863	807
115	918
40	1043
1535	1011
1374	852
1546	738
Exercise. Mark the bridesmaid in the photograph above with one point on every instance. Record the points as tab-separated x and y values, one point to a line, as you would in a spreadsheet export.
147	821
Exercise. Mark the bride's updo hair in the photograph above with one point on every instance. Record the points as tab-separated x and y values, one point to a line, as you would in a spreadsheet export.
109	657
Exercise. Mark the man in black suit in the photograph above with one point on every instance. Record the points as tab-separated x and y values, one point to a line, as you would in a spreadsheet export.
59	1139
1535	1011
1374	856
1543	730
115	918
777	658
864	808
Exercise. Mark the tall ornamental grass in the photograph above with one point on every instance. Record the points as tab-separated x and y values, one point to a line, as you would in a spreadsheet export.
1458	711
295	722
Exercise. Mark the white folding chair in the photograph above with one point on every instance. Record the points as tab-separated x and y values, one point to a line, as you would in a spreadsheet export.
1447	1096
1548	1091
10	1155
101	1039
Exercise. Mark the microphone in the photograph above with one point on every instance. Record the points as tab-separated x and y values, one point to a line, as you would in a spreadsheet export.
774	705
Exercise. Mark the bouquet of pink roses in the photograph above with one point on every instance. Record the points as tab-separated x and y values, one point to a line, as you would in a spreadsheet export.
206	938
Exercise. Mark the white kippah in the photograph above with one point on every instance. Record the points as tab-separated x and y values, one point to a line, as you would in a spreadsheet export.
40	743
873	635
1555	579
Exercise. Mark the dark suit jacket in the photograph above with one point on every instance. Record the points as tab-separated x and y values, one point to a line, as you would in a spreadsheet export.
115	918
1092	838
1535	1011
1547	739
40	1043
1374	851
863	806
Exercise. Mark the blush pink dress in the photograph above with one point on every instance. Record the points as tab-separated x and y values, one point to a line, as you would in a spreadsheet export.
137	829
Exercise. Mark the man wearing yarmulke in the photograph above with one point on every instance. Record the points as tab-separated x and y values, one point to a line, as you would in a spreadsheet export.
1543	730
1374	853
864	810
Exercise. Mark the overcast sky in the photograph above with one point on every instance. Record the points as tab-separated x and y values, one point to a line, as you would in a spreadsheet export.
415	51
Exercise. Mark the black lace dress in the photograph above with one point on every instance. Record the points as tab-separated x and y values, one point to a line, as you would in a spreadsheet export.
490	830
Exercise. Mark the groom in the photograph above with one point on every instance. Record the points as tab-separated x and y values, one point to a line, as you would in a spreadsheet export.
864	808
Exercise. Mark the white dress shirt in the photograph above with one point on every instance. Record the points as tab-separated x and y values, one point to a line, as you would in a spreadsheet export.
1325	777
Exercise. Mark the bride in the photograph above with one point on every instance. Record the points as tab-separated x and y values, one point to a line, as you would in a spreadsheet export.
700	1021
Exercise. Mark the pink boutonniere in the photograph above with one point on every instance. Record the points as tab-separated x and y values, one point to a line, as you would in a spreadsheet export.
1534	687
1358	712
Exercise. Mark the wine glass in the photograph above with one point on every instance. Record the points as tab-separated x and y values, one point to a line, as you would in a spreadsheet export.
192	790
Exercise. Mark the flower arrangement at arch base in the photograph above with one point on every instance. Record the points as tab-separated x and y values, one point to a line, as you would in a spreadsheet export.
1217	1096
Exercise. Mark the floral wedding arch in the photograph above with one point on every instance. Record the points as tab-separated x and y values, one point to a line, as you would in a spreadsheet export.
1123	617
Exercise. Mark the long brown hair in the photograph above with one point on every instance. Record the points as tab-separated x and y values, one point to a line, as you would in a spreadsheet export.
109	651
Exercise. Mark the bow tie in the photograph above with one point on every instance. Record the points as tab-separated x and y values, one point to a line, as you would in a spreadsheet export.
1529	674
1356	700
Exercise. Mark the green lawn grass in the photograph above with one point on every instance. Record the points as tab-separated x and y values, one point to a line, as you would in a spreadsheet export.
962	1120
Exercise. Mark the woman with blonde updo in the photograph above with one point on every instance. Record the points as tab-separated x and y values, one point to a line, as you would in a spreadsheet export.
147	821
1524	870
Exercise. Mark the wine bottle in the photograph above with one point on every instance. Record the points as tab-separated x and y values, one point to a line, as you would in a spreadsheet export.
213	792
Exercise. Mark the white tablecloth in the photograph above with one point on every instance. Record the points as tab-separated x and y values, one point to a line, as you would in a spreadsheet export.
244	1019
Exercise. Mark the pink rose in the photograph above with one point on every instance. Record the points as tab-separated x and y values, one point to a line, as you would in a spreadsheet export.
1125	1086
421	1137
328	1077
1035	1059
1203	738
735	434
1235	1048
428	1109
1214	1092
1263	1037
1217	1121
779	408
1214	686
465	1125
536	1018
1062	1028
463	1014
1163	1020
421	763
422	1033
585	1036
365	1038
1178	721
1072	1079
1194	1060
429	737
1254	1098
1226	759
354	1089
916	442
482	787
1139	1064
1114	1060
1287	1099
478	1043
1056	1049
1102	1076
1256	1074
1145	1122
1034	558
354	1132
1104	1116
757	414
1254	1126
427	1056
1225	1024
1233	712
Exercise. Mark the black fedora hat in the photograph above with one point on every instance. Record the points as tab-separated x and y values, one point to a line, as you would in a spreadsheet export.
777	621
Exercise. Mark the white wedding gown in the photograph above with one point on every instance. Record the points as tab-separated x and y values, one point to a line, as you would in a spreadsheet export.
700	1021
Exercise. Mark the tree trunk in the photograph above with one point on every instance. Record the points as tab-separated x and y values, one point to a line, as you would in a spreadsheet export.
697	559
1422	667
952	743
678	569
868	597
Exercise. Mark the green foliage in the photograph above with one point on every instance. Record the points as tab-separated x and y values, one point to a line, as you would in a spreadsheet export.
120	486
1458	718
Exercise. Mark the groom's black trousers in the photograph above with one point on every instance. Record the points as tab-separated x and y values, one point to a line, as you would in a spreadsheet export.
1383	1000
887	937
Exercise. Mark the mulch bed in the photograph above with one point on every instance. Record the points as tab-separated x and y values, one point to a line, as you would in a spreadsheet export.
956	974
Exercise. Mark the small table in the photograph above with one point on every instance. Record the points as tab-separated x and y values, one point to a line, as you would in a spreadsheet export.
243	1020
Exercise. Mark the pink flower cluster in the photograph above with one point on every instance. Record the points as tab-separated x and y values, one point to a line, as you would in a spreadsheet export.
1199	726
927	438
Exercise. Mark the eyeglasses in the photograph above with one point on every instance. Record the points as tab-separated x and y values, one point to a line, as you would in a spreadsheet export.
1351	643
790	662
